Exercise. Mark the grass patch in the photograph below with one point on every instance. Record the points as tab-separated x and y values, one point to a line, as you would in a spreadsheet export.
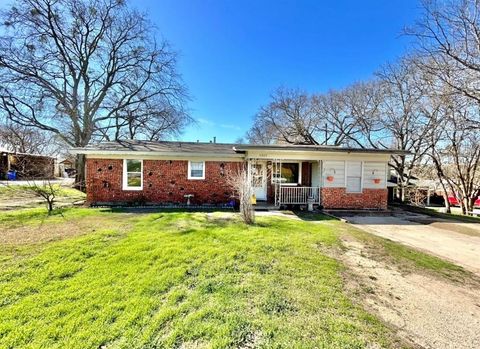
14	190
14	197
180	280
407	257
314	216
39	215
436	214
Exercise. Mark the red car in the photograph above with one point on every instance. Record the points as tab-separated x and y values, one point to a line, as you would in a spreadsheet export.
454	201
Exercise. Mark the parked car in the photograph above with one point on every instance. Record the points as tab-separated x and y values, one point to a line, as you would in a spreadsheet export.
454	201
71	172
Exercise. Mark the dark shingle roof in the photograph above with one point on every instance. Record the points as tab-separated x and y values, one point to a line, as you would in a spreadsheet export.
161	147
169	147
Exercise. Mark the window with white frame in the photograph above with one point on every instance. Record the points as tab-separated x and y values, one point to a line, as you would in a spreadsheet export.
354	177
196	170
132	174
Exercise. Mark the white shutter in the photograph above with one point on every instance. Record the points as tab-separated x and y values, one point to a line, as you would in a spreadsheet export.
354	177
354	184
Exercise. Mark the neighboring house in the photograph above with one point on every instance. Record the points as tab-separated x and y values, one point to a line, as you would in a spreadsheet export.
26	166
66	167
169	172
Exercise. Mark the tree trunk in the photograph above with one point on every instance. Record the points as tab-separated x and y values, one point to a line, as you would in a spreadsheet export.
463	203
80	175
445	198
50	206
401	192
469	202
447	203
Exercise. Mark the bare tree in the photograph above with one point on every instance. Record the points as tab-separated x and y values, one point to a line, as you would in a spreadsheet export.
448	37
241	183
456	152
362	104
288	118
262	131
295	117
84	69
405	117
336	125
21	139
47	191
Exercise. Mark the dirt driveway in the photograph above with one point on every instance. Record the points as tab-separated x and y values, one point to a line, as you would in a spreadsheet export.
427	311
456	242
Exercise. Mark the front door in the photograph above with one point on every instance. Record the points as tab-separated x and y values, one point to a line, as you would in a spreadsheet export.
259	180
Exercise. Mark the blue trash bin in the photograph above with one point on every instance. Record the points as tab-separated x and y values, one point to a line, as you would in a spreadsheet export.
11	175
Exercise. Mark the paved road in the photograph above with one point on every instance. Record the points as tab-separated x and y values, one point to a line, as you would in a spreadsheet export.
457	242
61	181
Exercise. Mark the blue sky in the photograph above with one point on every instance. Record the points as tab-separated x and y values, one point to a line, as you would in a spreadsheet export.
233	54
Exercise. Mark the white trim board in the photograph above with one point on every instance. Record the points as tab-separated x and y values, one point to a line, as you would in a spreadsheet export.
189	175
125	186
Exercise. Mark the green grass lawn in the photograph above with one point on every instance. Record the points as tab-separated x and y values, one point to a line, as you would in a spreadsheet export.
177	280
13	190
13	197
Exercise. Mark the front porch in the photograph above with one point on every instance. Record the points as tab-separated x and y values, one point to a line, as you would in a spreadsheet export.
286	182
299	195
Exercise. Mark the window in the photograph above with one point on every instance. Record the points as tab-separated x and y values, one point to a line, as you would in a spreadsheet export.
196	170
354	177
132	174
290	173
258	175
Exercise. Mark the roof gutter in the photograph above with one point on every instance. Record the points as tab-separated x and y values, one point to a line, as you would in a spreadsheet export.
323	150
153	153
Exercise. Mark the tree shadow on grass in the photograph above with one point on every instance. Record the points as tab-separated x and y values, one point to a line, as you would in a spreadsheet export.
314	216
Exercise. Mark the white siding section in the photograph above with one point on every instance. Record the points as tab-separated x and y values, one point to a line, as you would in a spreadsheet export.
374	172
335	170
315	174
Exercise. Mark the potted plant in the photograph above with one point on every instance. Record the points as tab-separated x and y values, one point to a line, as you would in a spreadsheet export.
375	180
330	177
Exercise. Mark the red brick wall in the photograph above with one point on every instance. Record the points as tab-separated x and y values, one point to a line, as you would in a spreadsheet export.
164	181
369	198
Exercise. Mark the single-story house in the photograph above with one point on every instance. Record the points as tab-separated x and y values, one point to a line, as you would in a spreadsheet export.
180	172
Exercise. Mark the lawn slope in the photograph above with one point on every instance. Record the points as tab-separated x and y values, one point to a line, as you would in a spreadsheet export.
181	280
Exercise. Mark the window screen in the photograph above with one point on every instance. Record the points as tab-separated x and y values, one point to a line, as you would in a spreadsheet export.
289	173
197	169
133	174
354	176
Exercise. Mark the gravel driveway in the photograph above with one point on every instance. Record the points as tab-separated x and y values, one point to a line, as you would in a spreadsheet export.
456	242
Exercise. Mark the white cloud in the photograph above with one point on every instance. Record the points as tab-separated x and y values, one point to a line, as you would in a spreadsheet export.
208	122
231	127
205	121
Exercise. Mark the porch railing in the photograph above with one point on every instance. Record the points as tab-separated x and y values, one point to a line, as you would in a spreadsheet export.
298	195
